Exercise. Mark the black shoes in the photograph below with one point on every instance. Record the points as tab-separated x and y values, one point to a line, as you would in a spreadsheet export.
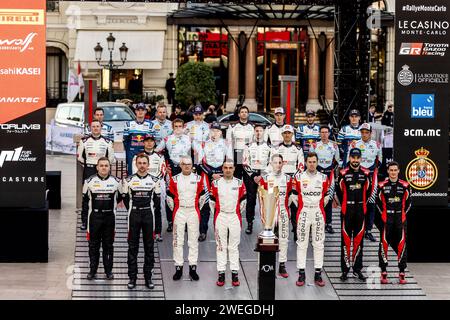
221	279
131	284
359	275
158	237
249	229
202	237
193	273
235	279
83	226
301	278
282	270
170	227
178	273
149	283
344	276
91	275
109	276
369	236
329	229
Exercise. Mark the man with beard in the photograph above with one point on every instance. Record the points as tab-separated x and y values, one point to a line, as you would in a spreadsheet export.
354	191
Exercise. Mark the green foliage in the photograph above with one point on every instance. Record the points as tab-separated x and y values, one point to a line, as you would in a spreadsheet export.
195	84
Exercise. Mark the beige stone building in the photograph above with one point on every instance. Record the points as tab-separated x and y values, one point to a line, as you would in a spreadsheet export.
248	47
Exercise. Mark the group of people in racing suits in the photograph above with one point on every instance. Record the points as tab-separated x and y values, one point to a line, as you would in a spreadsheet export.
193	171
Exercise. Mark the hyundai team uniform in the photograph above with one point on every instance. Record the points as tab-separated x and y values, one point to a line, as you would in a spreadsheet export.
328	160
161	130
212	155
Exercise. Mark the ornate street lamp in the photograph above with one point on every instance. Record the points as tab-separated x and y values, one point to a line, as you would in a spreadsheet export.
98	49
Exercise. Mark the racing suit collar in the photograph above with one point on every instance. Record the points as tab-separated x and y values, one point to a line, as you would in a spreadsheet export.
96	138
149	152
141	177
101	178
140	122
310	126
279	125
287	145
243	123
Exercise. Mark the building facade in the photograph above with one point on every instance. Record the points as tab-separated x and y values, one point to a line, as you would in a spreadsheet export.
247	46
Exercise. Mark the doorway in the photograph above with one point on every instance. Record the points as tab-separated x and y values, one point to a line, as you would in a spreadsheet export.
278	62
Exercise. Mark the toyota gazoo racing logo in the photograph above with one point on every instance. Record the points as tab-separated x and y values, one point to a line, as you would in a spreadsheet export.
16	155
18	44
423	49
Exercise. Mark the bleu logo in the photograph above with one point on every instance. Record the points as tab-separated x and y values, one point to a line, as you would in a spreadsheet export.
422	106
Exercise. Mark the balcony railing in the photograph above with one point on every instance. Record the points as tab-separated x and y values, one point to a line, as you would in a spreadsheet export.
52	5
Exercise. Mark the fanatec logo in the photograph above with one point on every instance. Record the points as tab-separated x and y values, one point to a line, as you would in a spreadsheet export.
19	44
15	155
406	77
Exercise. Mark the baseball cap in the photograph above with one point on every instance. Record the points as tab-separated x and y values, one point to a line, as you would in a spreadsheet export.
279	110
149	136
365	126
216	125
141	105
198	109
310	113
354	112
287	128
355	152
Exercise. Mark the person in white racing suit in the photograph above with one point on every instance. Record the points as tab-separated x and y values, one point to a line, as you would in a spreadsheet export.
186	197
238	136
272	134
285	186
313	195
228	201
256	159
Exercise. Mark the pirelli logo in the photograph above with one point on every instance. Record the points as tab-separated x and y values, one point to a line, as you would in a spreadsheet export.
22	16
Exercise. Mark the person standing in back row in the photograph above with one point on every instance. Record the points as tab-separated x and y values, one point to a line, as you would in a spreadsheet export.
238	136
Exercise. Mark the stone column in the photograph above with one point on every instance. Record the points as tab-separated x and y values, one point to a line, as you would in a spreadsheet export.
390	65
329	70
233	74
313	73
250	75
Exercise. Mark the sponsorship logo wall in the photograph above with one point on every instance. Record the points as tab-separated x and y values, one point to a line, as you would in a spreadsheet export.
22	103
422	99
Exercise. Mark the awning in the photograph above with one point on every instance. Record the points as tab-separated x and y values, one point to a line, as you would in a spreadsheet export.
145	48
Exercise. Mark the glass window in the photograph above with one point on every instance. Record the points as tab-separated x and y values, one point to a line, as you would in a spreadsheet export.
117	113
63	112
75	113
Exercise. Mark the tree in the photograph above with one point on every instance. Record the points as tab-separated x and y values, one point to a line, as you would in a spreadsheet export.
195	84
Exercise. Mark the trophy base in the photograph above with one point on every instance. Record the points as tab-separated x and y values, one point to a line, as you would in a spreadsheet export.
266	244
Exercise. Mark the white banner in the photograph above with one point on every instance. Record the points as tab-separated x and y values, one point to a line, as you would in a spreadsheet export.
60	139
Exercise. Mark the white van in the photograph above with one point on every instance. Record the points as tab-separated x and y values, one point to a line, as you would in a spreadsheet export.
116	115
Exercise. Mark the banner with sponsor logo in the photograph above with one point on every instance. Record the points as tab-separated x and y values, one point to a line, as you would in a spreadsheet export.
22	103
422	68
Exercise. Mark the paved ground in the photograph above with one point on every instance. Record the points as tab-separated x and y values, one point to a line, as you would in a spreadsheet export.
49	281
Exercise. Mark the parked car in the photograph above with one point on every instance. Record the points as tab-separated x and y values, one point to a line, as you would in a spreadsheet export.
263	118
116	115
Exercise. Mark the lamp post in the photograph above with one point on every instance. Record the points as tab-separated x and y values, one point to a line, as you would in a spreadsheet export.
110	64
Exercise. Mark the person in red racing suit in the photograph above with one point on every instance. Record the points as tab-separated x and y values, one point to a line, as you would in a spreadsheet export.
393	202
354	191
